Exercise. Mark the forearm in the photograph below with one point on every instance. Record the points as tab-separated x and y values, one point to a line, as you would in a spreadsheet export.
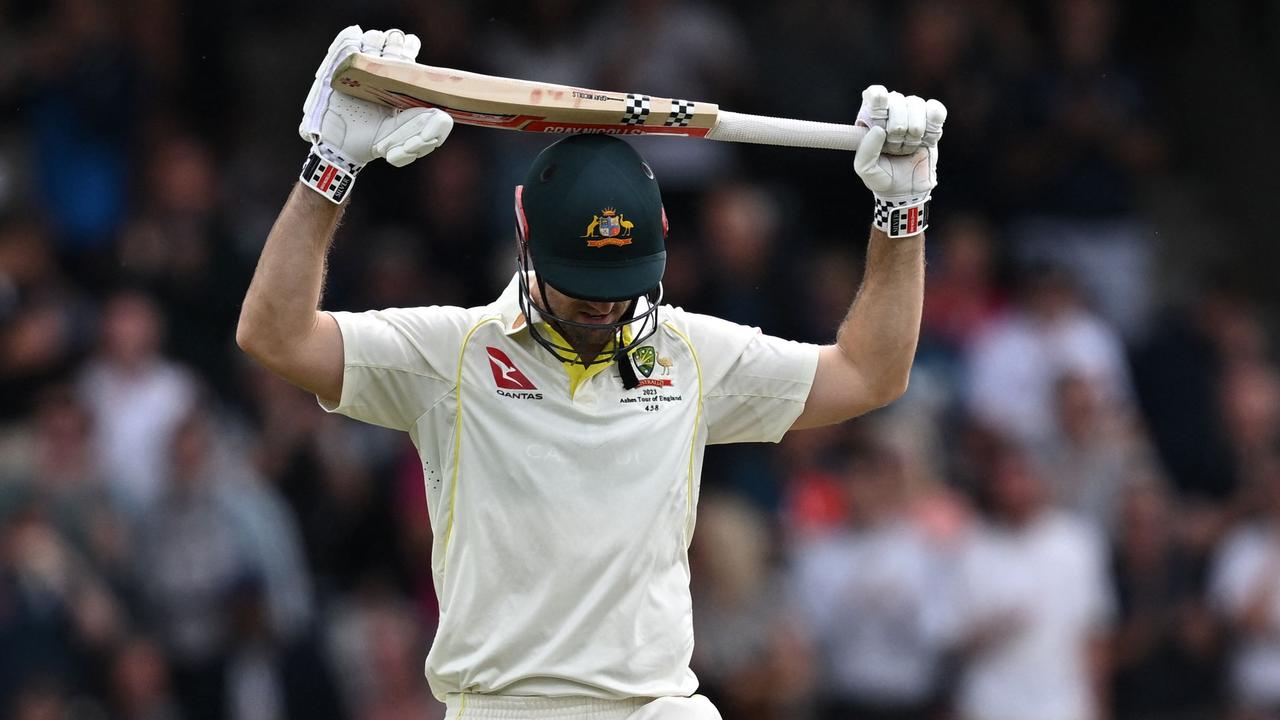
880	332
280	307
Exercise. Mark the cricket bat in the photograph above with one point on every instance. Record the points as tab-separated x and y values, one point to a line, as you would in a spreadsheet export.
498	102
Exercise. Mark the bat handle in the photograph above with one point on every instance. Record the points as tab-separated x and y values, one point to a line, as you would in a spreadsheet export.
765	130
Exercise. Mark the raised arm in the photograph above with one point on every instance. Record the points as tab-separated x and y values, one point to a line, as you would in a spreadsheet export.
280	324
869	364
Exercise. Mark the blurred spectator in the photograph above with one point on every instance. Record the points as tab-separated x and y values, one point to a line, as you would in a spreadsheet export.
1179	371
1032	605
871	600
140	683
378	651
452	215
56	612
212	527
969	56
396	659
1093	453
44	318
177	247
70	483
82	116
747	278
1245	591
137	398
1072	164
961	295
326	473
814	501
748	275
962	298
1047	334
270	675
748	658
1165	654
1250	412
831	278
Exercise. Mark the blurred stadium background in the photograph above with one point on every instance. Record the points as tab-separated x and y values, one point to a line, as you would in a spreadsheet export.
1077	502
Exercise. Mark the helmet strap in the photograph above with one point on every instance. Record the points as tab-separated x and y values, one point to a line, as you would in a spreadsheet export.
625	371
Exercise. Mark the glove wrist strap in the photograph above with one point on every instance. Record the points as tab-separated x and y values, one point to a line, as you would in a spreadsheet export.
328	173
901	218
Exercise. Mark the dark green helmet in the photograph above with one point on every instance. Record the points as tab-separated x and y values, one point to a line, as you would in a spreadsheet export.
593	219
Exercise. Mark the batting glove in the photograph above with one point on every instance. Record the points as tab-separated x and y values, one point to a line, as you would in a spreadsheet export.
898	158
346	133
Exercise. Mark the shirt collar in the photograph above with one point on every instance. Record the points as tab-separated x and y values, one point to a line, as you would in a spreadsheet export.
508	305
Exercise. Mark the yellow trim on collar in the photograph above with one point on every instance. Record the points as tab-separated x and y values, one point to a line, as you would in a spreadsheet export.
576	371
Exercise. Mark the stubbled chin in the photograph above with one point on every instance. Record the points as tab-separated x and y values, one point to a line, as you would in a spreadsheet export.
594	335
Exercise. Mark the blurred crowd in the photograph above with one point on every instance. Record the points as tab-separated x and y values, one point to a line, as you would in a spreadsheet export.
1073	513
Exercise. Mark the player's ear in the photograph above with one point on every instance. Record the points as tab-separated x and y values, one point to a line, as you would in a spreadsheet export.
664	221
522	223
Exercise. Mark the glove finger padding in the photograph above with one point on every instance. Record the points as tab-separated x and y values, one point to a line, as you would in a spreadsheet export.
418	133
935	115
395	44
373	41
896	125
350	35
412	45
875	106
916	111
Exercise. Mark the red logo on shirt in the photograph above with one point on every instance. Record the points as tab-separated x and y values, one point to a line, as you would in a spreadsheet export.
505	372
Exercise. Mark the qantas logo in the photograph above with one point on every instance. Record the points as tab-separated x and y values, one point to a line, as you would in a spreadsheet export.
508	377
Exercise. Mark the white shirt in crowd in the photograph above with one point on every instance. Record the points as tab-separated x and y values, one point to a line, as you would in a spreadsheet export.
1248	567
1047	583
562	519
1015	364
135	414
873	601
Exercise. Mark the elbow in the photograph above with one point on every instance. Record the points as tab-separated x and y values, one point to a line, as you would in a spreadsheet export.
244	340
249	339
892	387
888	397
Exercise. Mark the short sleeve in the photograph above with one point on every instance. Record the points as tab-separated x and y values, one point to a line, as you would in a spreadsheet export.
754	385
398	363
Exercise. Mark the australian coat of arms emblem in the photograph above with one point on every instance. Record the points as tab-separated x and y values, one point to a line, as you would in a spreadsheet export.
610	227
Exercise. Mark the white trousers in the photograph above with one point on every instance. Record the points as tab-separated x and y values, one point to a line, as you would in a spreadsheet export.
468	706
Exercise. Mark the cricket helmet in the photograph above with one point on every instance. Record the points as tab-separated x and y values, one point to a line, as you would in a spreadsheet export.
591	225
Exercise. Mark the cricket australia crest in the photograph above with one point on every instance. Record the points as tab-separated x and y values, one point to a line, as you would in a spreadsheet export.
644	358
610	227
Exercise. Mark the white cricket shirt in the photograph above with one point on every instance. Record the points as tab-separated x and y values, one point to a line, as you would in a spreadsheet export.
562	523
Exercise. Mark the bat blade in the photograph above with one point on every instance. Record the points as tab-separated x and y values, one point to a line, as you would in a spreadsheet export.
497	102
